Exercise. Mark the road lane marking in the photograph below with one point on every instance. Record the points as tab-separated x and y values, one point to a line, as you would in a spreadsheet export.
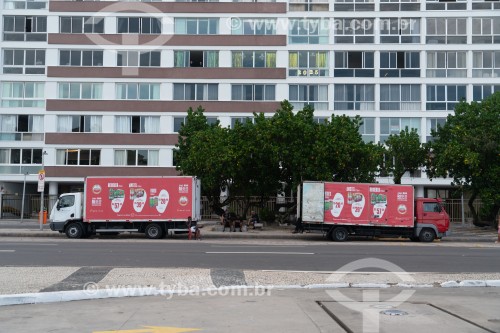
27	244
7	250
252	252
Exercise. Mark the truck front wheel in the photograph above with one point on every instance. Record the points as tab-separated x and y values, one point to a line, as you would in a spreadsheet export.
339	234
74	230
427	235
154	231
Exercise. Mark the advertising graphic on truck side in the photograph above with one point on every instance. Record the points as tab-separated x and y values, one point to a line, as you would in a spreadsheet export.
138	198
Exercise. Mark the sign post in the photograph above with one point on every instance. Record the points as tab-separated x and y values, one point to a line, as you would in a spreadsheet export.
41	188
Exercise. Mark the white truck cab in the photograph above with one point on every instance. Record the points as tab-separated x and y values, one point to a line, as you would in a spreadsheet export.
68	207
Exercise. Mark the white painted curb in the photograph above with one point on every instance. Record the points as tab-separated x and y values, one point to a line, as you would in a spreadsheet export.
246	291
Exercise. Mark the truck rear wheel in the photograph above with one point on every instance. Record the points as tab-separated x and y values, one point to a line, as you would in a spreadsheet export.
74	230
427	235
154	231
339	234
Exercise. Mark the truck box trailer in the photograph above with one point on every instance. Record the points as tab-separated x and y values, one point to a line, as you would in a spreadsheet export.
343	209
151	205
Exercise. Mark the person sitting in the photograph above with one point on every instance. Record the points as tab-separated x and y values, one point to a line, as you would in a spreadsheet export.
254	218
229	219
299	227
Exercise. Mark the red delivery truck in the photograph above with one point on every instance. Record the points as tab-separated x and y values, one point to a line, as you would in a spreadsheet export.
150	205
343	209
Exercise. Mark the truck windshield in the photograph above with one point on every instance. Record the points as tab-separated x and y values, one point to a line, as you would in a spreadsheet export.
66	201
432	207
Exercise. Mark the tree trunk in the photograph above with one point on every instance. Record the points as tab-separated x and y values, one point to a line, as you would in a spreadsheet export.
475	217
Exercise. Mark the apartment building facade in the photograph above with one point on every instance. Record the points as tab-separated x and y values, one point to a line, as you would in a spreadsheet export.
91	88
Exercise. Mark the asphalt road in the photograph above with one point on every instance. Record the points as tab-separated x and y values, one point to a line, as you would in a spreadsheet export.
308	257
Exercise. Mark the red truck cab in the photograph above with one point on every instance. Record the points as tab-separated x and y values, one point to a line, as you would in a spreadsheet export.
431	215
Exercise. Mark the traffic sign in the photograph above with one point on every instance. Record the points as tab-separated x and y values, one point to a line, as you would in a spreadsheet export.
41	180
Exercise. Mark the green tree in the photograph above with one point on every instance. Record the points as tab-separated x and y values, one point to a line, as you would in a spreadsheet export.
255	169
404	153
204	151
340	154
467	149
293	136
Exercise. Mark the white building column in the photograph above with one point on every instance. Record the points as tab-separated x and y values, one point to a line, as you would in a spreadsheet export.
419	191
53	194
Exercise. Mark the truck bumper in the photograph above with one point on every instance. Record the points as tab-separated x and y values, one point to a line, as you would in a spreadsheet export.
57	226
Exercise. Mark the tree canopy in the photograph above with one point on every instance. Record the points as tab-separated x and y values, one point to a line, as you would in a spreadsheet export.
404	153
266	155
467	149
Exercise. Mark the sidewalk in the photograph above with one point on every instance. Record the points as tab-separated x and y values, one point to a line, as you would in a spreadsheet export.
275	310
31	228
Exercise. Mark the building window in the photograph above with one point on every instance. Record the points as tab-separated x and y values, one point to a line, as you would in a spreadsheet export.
315	95
445	5
308	63
20	156
136	157
139	25
485	4
81	25
23	94
400	97
485	30
486	64
196	26
394	126
17	4
354	30
446	64
196	58
352	97
138	58
442	30
354	64
25	28
21	127
196	91
137	124
80	58
353	5
367	129
141	91
308	6
79	124
241	26
320	120
254	59
79	90
444	97
253	92
78	157
400	30
24	61
399	64
402	5
432	125
179	121
240	120
480	92
308	31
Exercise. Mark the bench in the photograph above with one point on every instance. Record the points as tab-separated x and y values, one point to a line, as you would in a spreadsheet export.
258	225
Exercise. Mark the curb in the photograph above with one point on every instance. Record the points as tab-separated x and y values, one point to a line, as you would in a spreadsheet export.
233	235
78	295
